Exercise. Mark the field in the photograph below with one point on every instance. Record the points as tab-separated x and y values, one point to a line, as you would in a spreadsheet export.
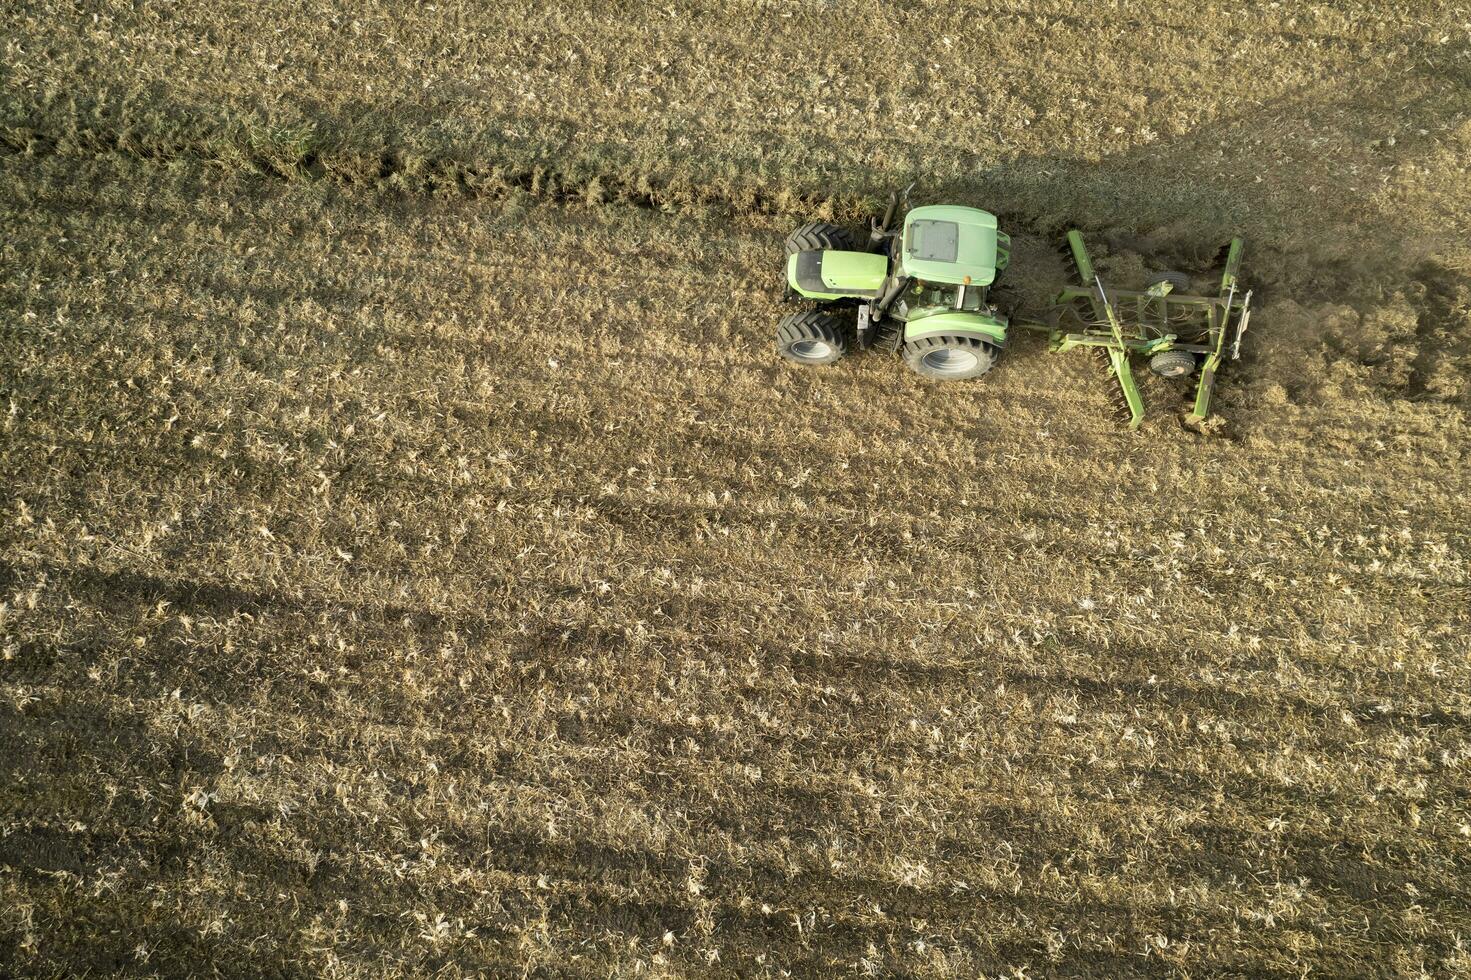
415	561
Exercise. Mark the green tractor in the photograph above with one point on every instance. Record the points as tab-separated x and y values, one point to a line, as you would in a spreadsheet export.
925	290
921	289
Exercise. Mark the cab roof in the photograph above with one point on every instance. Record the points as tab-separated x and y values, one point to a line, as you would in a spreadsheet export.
947	242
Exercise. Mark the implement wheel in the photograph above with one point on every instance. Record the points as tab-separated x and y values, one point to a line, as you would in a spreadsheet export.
953	358
819	235
813	337
1179	282
1173	364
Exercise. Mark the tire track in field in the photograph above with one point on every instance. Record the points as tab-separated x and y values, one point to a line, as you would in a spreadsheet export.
393	169
298	155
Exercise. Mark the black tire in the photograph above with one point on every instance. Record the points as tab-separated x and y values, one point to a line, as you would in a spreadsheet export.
949	358
819	235
813	337
1179	282
1173	364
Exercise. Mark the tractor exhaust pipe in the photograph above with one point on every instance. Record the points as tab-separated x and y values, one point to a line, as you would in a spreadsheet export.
880	230
885	301
889	211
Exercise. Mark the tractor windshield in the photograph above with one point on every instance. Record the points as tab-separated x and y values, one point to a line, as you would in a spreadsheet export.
945	294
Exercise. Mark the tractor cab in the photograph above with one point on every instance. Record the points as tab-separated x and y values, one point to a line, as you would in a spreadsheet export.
950	256
946	243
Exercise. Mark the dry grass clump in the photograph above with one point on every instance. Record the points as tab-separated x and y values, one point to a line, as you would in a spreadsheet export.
413	586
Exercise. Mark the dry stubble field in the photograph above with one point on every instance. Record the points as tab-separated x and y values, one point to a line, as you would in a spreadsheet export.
415	560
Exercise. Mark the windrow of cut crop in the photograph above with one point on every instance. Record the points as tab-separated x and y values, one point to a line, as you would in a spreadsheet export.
352	154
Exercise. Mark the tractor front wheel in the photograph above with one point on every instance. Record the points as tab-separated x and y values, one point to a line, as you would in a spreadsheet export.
813	337
817	235
949	358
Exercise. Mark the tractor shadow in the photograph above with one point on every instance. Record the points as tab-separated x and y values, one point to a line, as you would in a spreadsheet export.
1329	249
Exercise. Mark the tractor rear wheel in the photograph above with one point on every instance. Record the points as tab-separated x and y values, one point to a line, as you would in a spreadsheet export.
949	358
819	235
1173	364
813	337
1179	282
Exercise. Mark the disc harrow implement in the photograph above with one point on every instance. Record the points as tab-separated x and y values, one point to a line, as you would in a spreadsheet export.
1181	333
